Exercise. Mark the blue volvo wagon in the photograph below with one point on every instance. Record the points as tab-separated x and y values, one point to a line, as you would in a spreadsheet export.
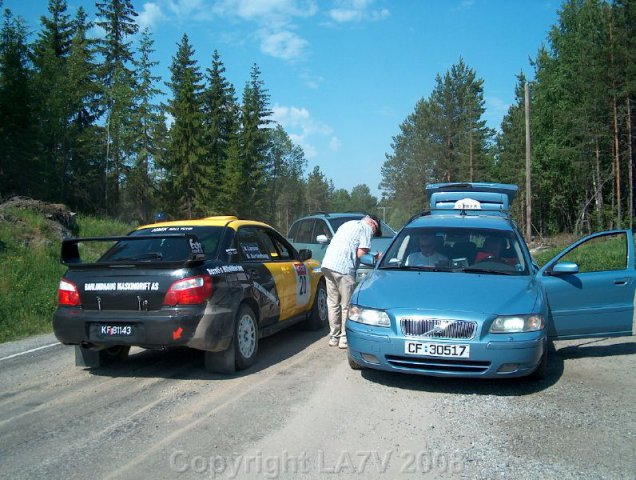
457	292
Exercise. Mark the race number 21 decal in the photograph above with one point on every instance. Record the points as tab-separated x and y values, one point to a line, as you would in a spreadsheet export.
302	284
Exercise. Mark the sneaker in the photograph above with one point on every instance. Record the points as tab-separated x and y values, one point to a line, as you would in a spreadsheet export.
343	342
333	342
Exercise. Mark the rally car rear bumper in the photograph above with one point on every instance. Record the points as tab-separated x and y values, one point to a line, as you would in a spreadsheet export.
201	327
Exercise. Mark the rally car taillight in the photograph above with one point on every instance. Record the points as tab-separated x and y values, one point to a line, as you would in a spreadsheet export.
189	291
67	294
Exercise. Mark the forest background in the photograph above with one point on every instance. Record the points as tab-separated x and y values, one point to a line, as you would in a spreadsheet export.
81	124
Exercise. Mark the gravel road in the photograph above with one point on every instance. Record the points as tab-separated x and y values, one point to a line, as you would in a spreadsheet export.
301	412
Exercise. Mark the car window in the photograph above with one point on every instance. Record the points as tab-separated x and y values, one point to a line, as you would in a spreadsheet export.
387	232
172	249
253	245
456	249
321	228
280	248
305	230
338	221
605	253
293	231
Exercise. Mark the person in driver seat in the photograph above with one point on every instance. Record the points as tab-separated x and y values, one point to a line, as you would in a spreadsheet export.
428	256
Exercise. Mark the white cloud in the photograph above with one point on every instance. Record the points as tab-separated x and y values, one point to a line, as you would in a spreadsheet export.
150	15
285	45
357	11
275	23
267	10
334	144
199	10
303	130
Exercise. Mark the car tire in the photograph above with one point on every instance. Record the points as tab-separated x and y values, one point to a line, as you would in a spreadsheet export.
86	357
318	317
241	353
245	337
353	364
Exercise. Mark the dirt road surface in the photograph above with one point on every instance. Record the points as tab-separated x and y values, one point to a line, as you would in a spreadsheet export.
301	412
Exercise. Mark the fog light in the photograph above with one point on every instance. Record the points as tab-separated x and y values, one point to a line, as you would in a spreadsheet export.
508	367
367	357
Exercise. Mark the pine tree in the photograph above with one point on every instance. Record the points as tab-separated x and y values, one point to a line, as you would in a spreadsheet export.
572	120
510	165
284	185
51	52
340	201
146	132
116	17
443	140
362	200
460	134
221	124
84	172
184	164
318	191
16	111
253	141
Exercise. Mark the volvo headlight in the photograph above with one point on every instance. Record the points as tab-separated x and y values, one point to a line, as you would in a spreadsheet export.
517	323
369	316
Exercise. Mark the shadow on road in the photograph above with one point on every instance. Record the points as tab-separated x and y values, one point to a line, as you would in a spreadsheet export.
472	386
505	387
590	348
187	364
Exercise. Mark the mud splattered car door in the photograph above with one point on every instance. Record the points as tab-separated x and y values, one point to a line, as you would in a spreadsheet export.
294	282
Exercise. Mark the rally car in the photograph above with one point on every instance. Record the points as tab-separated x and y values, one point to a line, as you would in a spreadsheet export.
457	293
216	284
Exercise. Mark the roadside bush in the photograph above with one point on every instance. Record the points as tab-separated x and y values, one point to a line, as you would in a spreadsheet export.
30	268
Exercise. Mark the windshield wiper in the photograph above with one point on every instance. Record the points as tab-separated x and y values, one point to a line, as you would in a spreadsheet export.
419	268
142	256
486	270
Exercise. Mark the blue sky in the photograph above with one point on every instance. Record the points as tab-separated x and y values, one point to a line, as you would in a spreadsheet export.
344	74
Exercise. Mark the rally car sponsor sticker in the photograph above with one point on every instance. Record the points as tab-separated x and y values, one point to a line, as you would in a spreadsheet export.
302	284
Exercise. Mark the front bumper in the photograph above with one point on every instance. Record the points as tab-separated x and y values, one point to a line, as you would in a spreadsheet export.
502	356
204	328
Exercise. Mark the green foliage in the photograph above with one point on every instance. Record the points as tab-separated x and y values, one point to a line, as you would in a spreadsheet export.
30	269
317	192
18	161
184	165
444	140
604	253
147	130
582	128
81	125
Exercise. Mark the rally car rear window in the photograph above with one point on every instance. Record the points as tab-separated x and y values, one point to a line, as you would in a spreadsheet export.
169	248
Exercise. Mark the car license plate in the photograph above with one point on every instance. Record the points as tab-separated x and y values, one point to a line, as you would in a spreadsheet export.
115	330
437	349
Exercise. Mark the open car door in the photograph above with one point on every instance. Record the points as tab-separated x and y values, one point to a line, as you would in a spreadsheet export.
590	287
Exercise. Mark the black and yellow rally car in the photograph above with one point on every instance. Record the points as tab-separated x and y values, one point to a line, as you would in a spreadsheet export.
216	284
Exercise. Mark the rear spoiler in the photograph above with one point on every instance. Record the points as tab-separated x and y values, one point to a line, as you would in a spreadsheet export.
70	255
